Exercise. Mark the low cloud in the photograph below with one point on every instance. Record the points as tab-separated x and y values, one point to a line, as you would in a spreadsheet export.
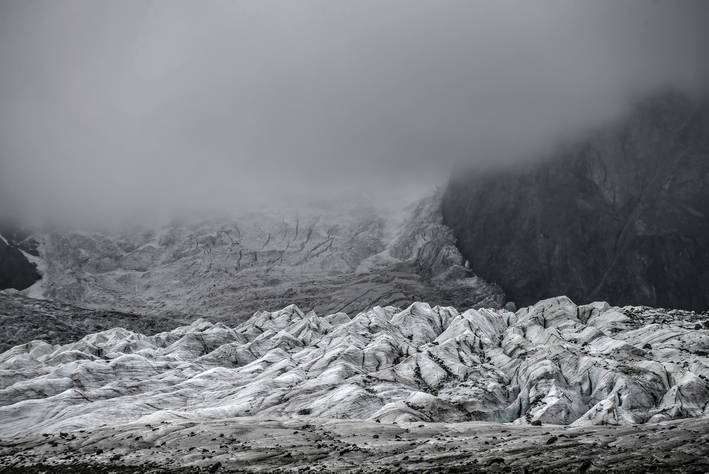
136	109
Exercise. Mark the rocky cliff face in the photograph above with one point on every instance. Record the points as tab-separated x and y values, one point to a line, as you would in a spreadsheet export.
621	216
16	269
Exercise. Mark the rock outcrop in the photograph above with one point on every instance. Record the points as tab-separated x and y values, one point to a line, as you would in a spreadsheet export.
621	216
16	269
553	362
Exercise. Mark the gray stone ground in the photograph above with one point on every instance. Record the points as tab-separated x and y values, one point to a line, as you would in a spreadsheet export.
253	445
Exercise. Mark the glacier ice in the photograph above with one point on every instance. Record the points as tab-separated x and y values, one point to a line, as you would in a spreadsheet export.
553	362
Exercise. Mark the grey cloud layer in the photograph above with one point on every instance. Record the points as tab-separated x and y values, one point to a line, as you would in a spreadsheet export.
120	109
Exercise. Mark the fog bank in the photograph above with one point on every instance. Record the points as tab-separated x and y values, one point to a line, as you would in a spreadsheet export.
135	109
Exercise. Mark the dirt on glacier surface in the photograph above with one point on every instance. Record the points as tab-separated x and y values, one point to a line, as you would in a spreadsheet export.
318	445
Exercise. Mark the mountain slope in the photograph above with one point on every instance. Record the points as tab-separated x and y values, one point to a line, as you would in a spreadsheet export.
16	270
25	319
621	216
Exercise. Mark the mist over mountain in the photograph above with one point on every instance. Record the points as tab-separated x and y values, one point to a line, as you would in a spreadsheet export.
354	236
138	111
621	214
226	269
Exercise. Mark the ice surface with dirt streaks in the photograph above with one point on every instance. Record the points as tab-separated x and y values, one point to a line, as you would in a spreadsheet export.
553	362
228	268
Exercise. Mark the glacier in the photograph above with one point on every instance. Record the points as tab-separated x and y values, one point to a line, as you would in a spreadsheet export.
388	387
226	268
553	362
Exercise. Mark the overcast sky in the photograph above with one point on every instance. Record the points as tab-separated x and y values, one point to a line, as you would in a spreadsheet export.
116	109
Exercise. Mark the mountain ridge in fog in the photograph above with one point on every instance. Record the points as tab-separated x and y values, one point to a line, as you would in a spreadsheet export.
145	110
620	215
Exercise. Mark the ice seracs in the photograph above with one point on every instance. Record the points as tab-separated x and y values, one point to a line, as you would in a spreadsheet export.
230	267
553	362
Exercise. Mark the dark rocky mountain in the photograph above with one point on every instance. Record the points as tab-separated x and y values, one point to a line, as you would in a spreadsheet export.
16	271
621	216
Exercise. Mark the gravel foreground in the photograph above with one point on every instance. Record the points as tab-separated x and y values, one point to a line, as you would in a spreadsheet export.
299	445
